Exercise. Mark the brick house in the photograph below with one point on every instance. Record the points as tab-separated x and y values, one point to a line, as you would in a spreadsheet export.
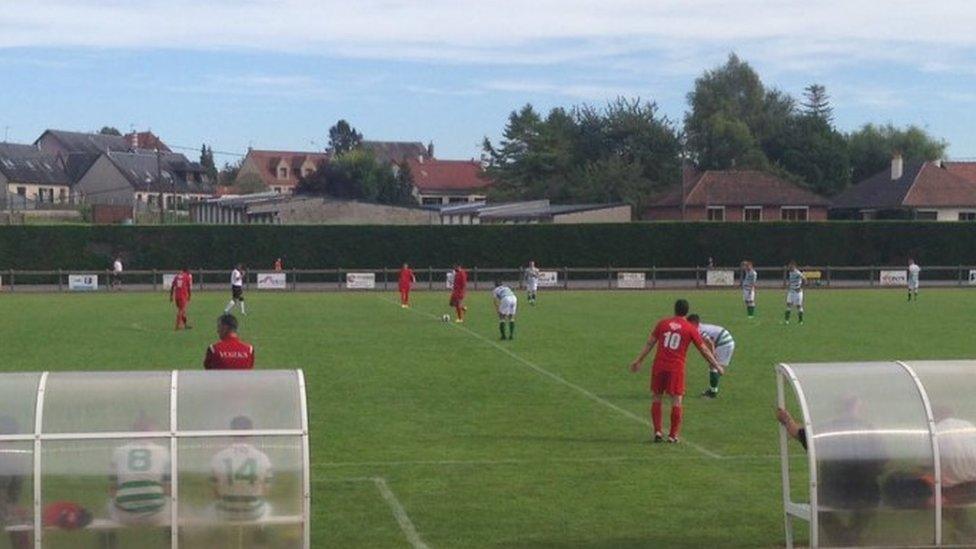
280	170
437	182
143	180
736	195
934	191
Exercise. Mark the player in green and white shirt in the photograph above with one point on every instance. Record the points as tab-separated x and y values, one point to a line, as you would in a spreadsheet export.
532	274
506	303
241	476
140	482
913	271
794	292
749	278
720	342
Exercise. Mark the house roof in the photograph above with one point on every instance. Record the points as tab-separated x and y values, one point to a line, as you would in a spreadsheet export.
146	140
525	210
396	151
736	188
447	175
28	164
140	170
267	163
966	170
87	142
922	184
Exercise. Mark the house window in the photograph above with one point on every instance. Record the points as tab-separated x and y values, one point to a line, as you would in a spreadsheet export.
716	213
431	200
752	213
927	215
967	216
22	191
62	195
283	172
456	199
794	213
306	171
277	190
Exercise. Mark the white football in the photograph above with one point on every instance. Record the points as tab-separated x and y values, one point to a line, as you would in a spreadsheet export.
446	318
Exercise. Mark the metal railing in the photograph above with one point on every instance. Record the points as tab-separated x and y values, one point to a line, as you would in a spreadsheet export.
434	278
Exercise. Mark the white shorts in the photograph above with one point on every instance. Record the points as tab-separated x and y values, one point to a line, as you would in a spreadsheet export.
749	295
508	306
532	285
795	298
724	353
912	285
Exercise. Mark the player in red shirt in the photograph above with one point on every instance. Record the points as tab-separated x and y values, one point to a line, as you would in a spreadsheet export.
279	265
407	279
230	353
180	292
671	336
458	290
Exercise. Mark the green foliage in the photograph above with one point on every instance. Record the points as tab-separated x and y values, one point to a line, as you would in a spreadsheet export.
872	146
633	244
250	183
816	153
343	138
357	175
207	161
228	174
564	155
109	130
816	103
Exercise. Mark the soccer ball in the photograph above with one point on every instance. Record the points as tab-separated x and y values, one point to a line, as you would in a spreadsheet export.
446	318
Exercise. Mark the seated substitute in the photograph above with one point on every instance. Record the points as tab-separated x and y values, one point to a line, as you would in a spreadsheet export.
850	472
230	353
241	477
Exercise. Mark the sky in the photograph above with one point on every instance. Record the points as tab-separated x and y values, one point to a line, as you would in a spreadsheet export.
275	74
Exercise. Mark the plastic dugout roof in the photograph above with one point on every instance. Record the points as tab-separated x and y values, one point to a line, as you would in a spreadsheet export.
891	452
68	424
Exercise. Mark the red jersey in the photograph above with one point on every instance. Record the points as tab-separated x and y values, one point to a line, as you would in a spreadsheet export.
673	336
406	278
230	353
460	282
182	286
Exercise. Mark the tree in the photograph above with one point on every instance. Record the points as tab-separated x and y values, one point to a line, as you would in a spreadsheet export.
872	146
228	174
343	138
357	175
732	101
816	103
109	130
207	162
250	183
813	151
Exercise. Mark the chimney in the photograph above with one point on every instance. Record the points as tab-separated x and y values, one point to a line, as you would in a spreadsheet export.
430	150
134	140
897	166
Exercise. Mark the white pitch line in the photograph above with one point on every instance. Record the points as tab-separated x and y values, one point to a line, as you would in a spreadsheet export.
585	392
399	513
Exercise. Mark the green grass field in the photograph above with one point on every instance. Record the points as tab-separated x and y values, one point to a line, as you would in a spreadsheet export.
539	442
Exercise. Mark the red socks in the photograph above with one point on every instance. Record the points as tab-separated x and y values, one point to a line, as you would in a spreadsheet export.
656	415
675	421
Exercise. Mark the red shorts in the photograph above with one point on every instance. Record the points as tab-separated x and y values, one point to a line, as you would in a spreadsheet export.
670	382
181	303
404	288
456	300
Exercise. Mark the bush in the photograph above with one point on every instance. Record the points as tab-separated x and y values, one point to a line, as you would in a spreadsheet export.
621	245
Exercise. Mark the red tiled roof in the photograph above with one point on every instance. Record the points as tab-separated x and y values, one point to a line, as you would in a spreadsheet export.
146	140
447	175
965	170
936	186
737	188
267	164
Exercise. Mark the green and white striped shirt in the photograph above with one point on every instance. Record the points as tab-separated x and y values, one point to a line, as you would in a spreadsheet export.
719	335
795	280
140	473
749	279
241	474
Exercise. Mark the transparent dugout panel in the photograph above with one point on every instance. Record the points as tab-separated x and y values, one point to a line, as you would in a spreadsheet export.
950	391
210	400
16	491
241	492
86	402
874	454
122	484
18	398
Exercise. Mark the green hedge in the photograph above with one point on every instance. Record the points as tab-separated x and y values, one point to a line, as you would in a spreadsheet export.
622	245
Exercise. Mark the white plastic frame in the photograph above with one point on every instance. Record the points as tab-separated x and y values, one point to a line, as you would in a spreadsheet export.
173	434
810	511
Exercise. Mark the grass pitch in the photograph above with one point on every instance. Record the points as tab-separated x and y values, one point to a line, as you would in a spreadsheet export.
537	442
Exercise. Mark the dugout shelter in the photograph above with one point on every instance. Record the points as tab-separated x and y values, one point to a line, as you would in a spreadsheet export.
890	456
153	459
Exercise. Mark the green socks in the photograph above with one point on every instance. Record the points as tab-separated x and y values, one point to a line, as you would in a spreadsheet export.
799	315
501	328
787	317
751	310
511	329
713	378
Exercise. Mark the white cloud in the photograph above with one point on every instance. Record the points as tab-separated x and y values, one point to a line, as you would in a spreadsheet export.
792	35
